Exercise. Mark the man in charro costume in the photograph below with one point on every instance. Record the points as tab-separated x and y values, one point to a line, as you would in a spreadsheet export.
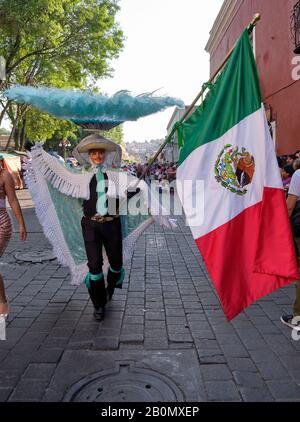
100	228
79	210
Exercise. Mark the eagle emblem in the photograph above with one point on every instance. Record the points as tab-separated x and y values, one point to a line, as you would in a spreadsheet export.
234	169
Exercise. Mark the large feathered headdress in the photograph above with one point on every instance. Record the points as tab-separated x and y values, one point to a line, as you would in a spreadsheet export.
88	110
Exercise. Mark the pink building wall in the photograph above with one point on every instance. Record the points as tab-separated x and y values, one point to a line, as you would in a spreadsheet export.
274	54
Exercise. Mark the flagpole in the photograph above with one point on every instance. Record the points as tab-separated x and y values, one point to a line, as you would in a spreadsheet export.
254	21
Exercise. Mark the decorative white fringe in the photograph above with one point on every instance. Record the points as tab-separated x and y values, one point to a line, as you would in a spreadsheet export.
68	183
48	219
44	167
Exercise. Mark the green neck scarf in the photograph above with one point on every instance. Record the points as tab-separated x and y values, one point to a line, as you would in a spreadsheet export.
102	198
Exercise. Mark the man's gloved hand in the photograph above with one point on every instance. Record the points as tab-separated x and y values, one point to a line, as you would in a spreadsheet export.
131	193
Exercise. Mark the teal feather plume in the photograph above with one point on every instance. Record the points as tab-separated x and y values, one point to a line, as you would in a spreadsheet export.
88	109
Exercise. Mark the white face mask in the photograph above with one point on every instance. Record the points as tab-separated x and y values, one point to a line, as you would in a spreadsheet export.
112	159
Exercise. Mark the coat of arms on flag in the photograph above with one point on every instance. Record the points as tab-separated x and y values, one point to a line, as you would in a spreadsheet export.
235	169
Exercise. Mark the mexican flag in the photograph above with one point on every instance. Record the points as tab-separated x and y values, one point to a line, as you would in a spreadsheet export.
241	226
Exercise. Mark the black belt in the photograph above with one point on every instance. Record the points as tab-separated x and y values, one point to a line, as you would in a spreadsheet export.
102	219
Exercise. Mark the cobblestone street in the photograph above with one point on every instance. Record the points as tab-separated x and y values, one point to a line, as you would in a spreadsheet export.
164	332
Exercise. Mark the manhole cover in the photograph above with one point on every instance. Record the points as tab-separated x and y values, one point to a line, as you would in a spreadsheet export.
34	255
125	383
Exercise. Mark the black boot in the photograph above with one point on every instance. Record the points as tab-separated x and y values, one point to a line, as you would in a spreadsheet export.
114	280
99	314
97	292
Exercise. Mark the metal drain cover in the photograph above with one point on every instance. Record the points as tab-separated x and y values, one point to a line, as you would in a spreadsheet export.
35	255
125	383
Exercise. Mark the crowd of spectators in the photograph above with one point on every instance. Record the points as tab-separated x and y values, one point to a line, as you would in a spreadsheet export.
159	172
288	164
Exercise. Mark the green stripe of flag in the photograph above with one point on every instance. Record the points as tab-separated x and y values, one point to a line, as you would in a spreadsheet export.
235	95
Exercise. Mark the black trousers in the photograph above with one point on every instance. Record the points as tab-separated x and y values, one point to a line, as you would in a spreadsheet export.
96	235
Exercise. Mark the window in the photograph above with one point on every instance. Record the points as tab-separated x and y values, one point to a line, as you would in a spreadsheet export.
295	27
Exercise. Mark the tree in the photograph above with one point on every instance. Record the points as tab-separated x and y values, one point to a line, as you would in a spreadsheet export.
4	131
116	134
62	43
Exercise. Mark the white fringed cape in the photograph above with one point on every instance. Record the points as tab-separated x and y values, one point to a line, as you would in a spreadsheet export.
45	175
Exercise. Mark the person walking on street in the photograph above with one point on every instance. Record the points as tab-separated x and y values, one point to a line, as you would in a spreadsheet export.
7	189
293	205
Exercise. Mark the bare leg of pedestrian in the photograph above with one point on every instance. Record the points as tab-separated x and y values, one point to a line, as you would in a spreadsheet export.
7	189
4	307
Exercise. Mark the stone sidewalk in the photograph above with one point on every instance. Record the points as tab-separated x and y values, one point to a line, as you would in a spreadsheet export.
164	338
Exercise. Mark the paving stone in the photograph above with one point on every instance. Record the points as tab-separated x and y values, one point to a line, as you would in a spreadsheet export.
200	335
133	328
180	337
39	371
284	390
22	322
266	355
176	320
241	364
230	339
156	333
224	391
107	332
27	390
295	375
215	372
155	316
248	379
178	329
80	345
234	351
106	343
270	371
54	343
62	332
136	301
181	346
9	378
83	335
135	311
155	324
155	343
175	312
5	393
256	395
47	356
291	362
117	323
132	338
154	306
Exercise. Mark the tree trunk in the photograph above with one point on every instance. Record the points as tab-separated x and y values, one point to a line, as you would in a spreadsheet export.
11	135
17	138
2	114
22	135
15	119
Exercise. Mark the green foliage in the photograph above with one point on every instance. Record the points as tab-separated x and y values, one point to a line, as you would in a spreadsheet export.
42	126
61	43
116	134
4	131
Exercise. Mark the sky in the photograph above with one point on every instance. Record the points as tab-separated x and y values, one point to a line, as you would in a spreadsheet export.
165	50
